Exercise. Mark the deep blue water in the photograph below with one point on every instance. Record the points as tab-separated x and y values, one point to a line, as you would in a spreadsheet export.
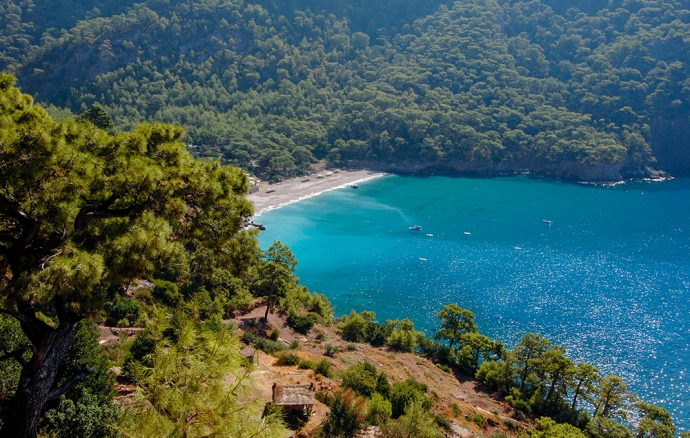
609	278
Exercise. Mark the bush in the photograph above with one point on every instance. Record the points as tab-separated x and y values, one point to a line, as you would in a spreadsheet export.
403	336
275	335
320	336
288	359
416	422
378	334
444	367
263	344
361	378
479	420
144	296
124	322
442	422
323	368
353	327
379	410
166	292
351	347
329	350
125	308
294	345
306	365
510	424
300	324
519	404
407	392
347	416
456	409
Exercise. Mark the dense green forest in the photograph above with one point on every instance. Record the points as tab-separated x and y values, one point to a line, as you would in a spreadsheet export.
579	89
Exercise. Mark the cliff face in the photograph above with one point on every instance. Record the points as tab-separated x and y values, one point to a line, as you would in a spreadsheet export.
565	169
671	143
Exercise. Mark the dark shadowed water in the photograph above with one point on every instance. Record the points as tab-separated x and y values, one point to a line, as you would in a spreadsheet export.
608	278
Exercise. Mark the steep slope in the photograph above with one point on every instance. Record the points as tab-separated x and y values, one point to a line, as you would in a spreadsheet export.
480	85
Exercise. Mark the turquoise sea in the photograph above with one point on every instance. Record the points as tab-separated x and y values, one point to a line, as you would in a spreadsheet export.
608	278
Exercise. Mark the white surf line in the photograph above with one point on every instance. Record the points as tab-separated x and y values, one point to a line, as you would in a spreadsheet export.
311	195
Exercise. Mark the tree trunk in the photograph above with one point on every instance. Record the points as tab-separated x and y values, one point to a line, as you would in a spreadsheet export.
36	381
268	307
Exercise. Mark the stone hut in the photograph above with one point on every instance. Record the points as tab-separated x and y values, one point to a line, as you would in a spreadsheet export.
294	399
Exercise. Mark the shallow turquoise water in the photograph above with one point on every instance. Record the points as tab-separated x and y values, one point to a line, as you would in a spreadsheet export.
609	278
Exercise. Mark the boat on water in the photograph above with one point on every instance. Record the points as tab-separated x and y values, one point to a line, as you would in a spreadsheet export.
518	248
415	228
429	235
467	233
422	259
546	221
354	186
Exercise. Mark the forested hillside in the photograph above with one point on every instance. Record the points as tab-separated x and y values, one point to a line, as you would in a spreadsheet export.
274	85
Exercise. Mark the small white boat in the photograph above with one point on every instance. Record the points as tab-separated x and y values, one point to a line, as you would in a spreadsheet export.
415	228
429	235
467	233
422	259
518	248
546	221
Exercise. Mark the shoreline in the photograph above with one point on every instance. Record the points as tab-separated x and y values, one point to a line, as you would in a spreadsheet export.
272	196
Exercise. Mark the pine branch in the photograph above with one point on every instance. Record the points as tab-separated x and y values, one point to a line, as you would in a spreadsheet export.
18	316
18	354
56	393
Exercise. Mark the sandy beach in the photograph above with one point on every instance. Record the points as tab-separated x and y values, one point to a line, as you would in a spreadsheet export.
271	196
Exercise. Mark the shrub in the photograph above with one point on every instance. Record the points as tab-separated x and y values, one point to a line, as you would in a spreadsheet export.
347	416
323	368
456	409
403	336
415	423
351	347
294	345
510	424
519	404
329	350
300	324
353	327
409	391
479	420
166	292
379	410
125	308
320	336
288	359
442	422
306	365
444	367
144	296
361	378
124	322
275	335
263	344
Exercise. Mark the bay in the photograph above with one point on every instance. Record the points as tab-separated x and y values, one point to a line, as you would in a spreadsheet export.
608	278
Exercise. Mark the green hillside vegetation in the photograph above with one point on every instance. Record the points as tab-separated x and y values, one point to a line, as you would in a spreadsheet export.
536	378
85	214
273	86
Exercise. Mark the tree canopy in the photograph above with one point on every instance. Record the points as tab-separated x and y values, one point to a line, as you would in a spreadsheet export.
82	213
560	87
